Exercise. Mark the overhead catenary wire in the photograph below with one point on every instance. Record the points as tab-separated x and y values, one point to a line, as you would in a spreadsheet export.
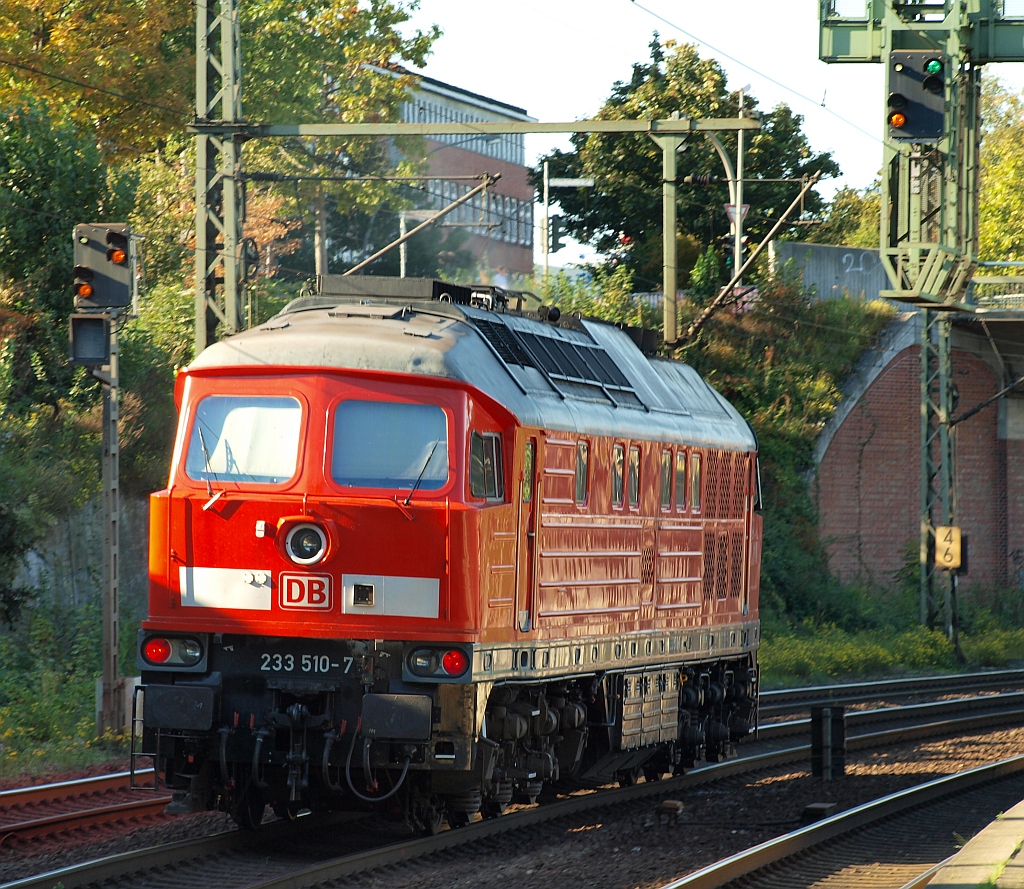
754	70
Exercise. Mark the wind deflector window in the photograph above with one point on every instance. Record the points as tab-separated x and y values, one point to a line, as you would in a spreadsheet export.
575	368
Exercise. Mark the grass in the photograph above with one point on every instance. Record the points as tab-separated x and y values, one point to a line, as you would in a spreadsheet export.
819	654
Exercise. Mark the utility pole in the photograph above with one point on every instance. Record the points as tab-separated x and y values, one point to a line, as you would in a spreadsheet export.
737	248
545	222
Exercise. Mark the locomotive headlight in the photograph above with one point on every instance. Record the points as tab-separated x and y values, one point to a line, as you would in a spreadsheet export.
305	544
423	662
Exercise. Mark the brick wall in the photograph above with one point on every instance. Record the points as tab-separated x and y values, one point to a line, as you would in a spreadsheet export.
868	482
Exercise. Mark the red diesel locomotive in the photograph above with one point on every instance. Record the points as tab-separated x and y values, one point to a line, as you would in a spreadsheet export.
420	548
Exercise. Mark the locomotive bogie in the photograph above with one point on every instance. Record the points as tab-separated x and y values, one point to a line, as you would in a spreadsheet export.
411	573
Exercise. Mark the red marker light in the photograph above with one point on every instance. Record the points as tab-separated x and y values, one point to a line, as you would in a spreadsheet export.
156	650
454	662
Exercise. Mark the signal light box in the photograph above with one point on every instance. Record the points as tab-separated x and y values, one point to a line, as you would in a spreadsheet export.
917	95
103	268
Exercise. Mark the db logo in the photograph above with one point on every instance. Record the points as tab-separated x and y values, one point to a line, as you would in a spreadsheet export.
308	591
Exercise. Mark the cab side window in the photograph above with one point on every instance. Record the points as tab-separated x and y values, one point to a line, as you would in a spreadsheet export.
666	479
680	479
695	481
582	471
618	461
486	476
634	477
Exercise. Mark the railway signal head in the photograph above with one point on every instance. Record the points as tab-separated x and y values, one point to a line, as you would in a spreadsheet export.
916	107
103	274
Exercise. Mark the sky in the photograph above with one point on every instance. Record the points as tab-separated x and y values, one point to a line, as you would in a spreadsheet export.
558	59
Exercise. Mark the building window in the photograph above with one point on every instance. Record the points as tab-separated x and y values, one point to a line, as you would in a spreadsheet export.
666	479
680	479
634	477
486	478
618	459
582	471
695	481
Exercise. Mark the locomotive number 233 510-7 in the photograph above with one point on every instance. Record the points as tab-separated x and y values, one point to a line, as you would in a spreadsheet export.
306	663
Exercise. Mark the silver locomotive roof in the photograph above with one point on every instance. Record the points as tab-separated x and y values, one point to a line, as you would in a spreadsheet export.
576	376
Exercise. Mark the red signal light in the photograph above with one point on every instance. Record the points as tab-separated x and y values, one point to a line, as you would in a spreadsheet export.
117	256
83	289
454	662
897	119
157	650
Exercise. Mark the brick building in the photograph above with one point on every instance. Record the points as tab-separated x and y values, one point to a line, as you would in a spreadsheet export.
500	225
868	480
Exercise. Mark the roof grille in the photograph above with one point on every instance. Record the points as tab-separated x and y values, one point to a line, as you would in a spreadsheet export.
576	369
504	343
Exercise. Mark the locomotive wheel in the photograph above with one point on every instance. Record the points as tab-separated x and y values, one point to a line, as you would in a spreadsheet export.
652	772
458	819
248	813
286	811
628	777
492	809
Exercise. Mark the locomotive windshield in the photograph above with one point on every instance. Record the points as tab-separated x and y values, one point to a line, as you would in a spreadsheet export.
244	439
387	444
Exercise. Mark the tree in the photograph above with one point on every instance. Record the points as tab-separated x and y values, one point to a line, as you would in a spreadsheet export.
851	219
627	168
1001	221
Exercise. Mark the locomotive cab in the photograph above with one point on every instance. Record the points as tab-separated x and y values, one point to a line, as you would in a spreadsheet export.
405	554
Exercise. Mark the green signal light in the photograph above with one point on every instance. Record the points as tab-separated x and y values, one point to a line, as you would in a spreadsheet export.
933	66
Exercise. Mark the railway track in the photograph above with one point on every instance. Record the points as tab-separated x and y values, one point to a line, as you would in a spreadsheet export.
786	701
289	859
46	809
896	842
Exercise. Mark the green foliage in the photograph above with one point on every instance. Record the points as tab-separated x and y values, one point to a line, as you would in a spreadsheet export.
705	279
628	168
815	652
1001	220
607	294
851	220
47	689
781	364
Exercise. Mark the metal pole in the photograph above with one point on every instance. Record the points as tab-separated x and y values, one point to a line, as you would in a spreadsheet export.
403	253
112	706
669	147
545	223
737	247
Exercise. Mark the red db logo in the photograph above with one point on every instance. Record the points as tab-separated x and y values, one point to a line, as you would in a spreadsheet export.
306	591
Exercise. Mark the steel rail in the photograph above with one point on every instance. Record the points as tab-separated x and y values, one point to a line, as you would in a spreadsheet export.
50	824
45	793
162	856
1011	700
780	848
790	700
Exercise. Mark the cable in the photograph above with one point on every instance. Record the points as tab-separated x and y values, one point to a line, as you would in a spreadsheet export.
81	83
778	83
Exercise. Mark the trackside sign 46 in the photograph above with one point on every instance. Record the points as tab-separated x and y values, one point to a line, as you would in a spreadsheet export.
309	592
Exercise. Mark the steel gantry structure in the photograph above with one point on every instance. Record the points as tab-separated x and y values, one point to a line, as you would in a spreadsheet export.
932	51
220	130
